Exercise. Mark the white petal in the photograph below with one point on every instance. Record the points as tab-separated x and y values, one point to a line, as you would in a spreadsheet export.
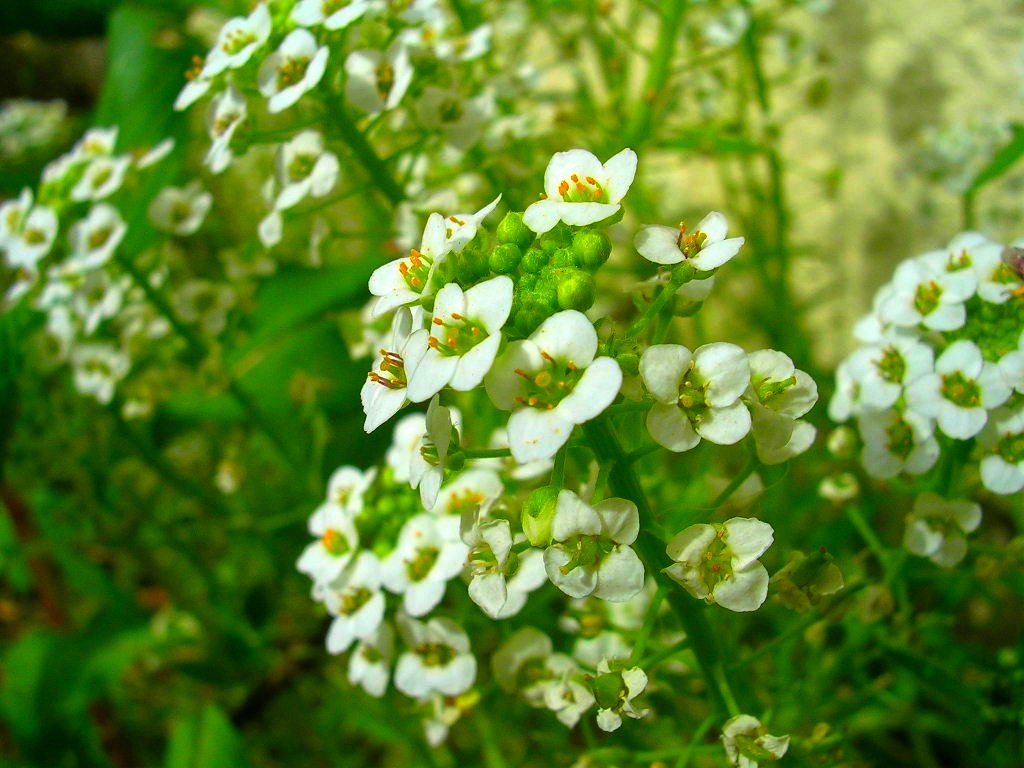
670	428
620	576
567	336
658	244
745	591
594	392
662	368
725	426
536	434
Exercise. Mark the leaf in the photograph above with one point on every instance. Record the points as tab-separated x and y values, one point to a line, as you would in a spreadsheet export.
205	740
1002	161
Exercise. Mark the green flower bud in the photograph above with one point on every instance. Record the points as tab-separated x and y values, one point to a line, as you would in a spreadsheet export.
505	258
534	260
576	290
566	257
683	272
538	512
608	689
512	231
593	248
555	238
629	362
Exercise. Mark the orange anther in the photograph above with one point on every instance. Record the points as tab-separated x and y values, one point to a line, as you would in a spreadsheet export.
592	181
563	187
437	321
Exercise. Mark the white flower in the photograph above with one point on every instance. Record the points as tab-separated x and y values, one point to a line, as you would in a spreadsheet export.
467	491
94	238
237	40
438	660
960	391
347	485
97	299
34	238
332	14
501	578
377	81
896	442
519	664
461	228
1002	467
461	120
1011	365
95	142
12	216
845	400
180	210
427	463
565	693
778	395
697	394
590	553
356	603
463	338
718	563
405	443
936	528
428	555
383	394
706	248
369	666
227	112
884	370
102	178
304	168
579	190
552	382
294	68
97	369
406	280
336	542
746	742
924	294
156	153
614	691
997	283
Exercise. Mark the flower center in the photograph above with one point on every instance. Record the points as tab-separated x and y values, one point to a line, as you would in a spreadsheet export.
419	567
585	551
1011	448
927	297
960	390
450	111
456	337
465	501
693	397
329	7
354	599
223	123
180	211
767	388
581	190
334	542
236	40
435	654
891	365
34	236
415	270
301	166
291	71
392	368
716	563
99	237
102	177
690	244
958	261
901	439
385	79
549	386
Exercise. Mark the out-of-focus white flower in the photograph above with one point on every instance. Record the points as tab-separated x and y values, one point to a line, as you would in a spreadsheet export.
896	442
377	80
439	659
294	68
102	178
336	542
356	603
427	464
180	210
461	120
369	666
94	238
97	370
923	294
304	168
936	528
1002	466
332	14
748	743
228	111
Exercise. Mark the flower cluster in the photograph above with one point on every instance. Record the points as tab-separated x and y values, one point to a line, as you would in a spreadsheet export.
940	369
496	331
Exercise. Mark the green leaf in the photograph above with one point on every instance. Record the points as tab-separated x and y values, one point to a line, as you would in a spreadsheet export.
1002	161
206	740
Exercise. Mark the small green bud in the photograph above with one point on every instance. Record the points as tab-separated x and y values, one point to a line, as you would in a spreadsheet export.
683	272
593	248
566	257
576	290
608	689
534	260
555	238
505	258
512	231
629	362
538	512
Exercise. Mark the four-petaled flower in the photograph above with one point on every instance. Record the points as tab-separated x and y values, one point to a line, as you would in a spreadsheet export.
706	247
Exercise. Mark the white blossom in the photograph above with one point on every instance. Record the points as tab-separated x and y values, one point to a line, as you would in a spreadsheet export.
778	395
97	370
304	168
94	238
615	691
551	382
369	666
428	555
747	742
936	528
427	463
356	603
925	294
896	442
294	68
407	280
336	542
332	14
1002	441
180	210
580	190
706	247
384	392
439	659
377	81
228	110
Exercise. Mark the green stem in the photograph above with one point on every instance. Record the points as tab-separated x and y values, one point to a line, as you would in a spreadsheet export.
691	614
658	72
650	616
735	483
558	470
698	736
365	153
487	453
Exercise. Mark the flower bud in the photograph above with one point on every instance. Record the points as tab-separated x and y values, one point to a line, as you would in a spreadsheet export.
806	579
629	362
505	258
566	257
534	260
683	272
608	689
593	247
842	442
555	238
576	290
538	512
512	231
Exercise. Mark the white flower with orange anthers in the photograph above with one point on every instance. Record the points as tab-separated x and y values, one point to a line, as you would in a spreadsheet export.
580	190
295	67
439	659
227	112
461	228
356	603
463	339
718	563
706	247
384	392
407	280
336	542
428	555
551	382
347	485
427	463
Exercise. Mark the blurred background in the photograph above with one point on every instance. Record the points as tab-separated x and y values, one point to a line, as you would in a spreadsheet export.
147	615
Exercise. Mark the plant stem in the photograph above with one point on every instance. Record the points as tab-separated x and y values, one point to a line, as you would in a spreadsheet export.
735	483
365	153
487	453
658	72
